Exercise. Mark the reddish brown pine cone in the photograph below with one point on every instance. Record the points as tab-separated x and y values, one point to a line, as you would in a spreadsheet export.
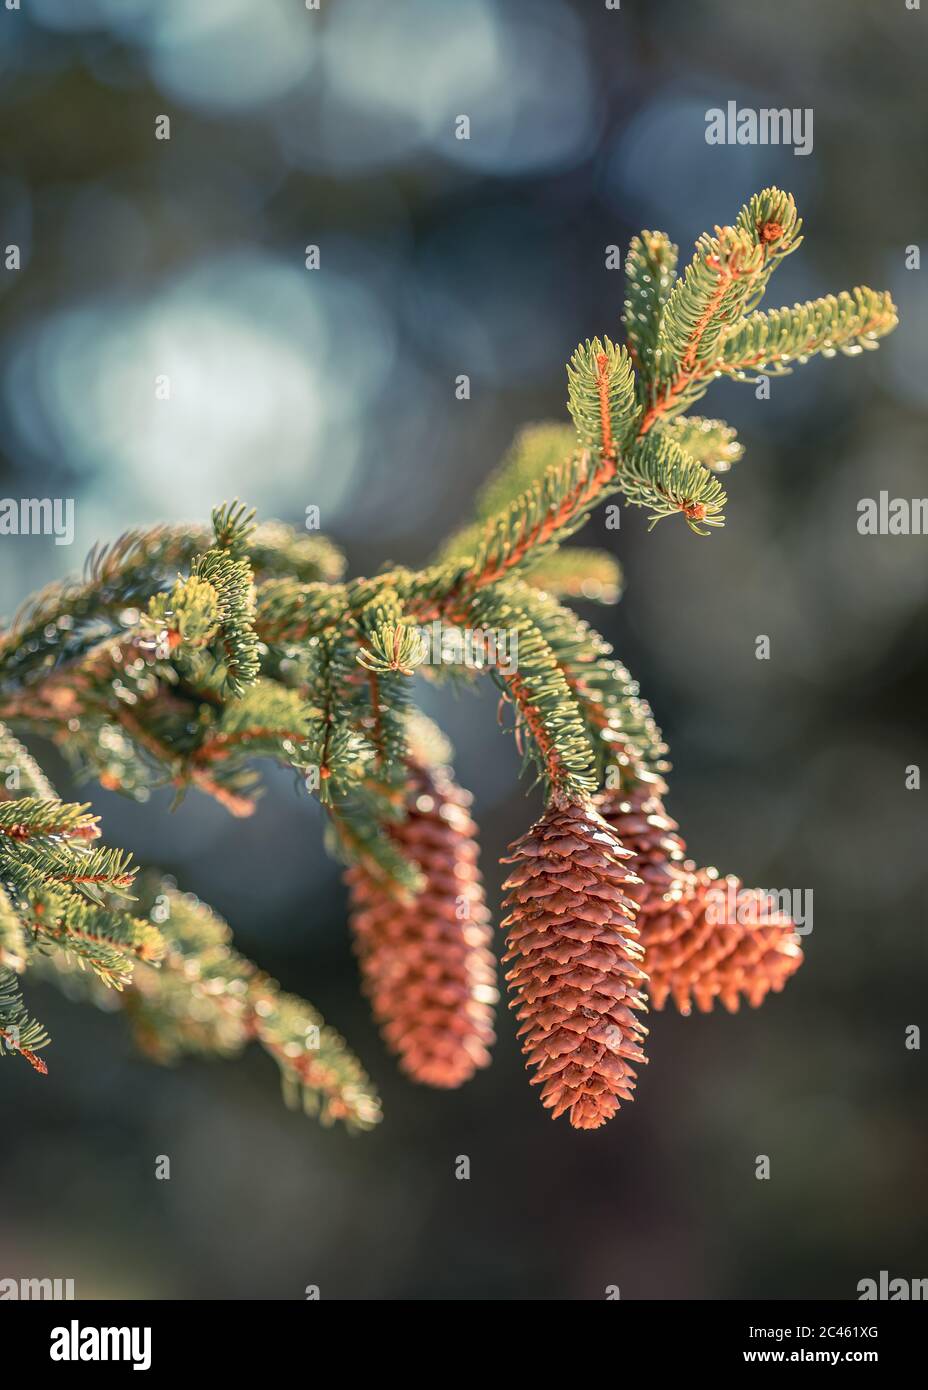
735	944
427	963
692	950
575	972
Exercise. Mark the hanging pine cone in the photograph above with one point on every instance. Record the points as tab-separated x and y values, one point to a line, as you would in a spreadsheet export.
691	952
576	964
427	963
713	953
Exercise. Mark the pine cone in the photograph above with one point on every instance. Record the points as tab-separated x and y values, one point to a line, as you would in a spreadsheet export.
720	954
576	973
429	973
692	952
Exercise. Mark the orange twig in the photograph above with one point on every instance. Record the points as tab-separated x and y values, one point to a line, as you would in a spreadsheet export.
605	420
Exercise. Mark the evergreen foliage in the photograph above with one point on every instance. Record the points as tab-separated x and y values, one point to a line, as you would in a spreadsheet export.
650	272
185	654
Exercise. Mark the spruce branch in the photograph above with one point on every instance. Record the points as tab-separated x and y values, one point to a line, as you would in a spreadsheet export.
269	720
185	654
177	769
54	624
233	528
849	322
675	332
547	513
658	474
32	818
170	978
203	998
19	770
618	721
233	583
92	872
601	396
19	1033
712	292
289	612
549	727
650	272
110	941
771	220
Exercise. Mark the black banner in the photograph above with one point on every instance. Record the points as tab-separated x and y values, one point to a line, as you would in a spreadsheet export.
245	1339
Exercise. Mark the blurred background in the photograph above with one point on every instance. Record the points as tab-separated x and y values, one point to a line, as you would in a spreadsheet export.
335	387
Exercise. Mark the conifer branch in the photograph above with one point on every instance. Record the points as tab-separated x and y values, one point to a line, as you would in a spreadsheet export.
59	890
849	322
659	475
51	624
617	719
203	998
19	770
186	653
650	272
288	612
268	721
233	584
712	292
108	940
601	396
180	773
547	712
19	1033
207	998
547	513
47	866
31	818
